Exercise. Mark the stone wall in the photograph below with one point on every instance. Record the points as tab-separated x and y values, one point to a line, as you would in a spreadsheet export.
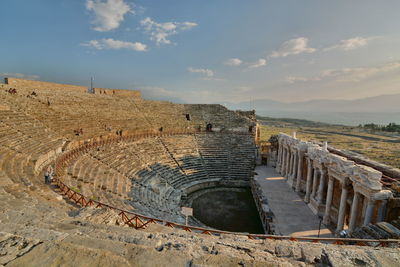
119	92
251	114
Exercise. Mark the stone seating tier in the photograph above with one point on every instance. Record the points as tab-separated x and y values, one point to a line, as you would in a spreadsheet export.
71	110
152	173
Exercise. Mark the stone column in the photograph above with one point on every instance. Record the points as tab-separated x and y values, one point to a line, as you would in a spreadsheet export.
328	201
309	180
354	209
382	211
299	171
279	160
369	211
283	162
287	162
314	184
320	197
292	161
294	172
342	207
289	171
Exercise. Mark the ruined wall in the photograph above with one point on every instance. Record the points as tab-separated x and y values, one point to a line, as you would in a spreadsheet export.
119	92
251	114
221	118
330	175
360	159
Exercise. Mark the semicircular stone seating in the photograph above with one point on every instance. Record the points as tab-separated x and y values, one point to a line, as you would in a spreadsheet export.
150	175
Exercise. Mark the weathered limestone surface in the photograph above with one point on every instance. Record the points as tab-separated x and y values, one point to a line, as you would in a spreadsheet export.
40	228
83	240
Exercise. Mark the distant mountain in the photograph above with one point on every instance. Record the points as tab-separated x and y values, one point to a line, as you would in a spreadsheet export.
378	109
382	103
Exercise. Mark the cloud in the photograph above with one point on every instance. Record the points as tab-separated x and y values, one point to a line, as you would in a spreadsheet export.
160	32
207	72
261	62
108	14
115	44
293	47
294	79
19	75
350	44
359	74
348	74
233	62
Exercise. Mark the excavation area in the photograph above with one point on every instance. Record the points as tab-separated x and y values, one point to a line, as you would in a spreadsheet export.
230	209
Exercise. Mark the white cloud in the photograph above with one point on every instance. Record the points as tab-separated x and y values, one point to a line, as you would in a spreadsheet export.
160	32
233	62
294	79
359	74
350	44
348	74
207	72
19	75
293	47
115	44
108	14
261	62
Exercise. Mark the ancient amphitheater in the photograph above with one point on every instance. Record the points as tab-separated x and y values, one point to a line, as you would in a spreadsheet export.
124	167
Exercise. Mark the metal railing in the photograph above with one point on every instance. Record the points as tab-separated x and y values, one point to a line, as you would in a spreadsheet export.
138	221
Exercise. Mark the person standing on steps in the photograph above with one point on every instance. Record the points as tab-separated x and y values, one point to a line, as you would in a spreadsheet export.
48	175
51	173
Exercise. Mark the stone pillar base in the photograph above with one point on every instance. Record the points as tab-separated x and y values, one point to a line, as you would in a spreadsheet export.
315	208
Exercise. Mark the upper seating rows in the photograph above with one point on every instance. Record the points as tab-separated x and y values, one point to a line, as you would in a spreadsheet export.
64	111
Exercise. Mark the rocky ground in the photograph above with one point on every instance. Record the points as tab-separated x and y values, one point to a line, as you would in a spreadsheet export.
37	229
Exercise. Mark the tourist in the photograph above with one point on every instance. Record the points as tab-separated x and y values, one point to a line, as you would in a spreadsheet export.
50	174
46	177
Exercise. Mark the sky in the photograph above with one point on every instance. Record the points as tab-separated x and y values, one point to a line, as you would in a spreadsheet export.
208	51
